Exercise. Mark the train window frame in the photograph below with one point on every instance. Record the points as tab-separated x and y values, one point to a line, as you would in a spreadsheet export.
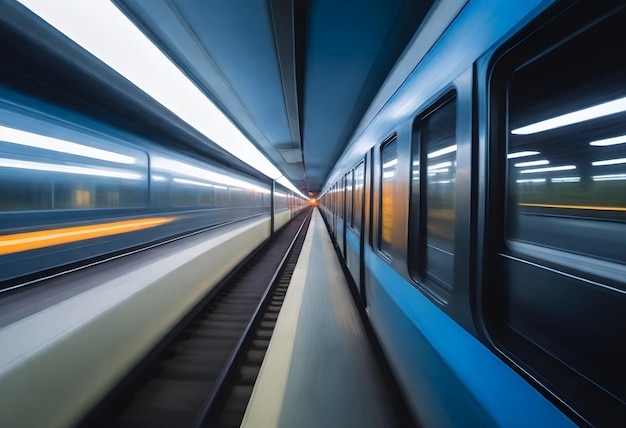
357	220
385	250
417	238
575	298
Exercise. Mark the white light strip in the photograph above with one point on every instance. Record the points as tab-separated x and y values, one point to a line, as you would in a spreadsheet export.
442	152
609	141
609	177
532	163
439	166
191	182
600	110
182	168
531	180
389	164
67	169
609	162
565	180
389	174
23	138
552	168
521	154
103	30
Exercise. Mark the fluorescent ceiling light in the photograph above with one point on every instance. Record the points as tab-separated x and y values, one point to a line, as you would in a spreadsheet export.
531	180
439	166
23	138
565	180
548	169
67	169
609	141
609	177
289	185
594	112
609	162
442	152
521	154
532	163
103	30
389	164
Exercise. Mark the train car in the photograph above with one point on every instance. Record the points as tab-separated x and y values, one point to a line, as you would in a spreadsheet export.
81	190
482	218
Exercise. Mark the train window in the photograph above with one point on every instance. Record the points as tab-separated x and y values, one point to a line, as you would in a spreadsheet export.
349	199
561	258
73	175
433	206
357	211
388	174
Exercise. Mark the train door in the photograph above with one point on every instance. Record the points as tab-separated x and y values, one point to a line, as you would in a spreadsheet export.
340	215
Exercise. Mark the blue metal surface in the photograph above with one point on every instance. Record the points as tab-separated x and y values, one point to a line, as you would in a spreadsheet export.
459	382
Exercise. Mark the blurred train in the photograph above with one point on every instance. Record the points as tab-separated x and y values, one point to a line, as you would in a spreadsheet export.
75	190
482	216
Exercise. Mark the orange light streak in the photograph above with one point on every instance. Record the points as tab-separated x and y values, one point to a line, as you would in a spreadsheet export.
45	238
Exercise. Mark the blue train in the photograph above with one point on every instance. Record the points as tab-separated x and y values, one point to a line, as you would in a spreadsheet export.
482	216
76	190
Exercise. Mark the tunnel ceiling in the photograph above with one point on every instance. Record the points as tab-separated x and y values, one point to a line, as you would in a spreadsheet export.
295	76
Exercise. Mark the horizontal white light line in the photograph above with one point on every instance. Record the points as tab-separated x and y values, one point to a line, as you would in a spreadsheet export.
594	112
565	179
191	182
521	154
532	163
609	177
67	169
158	178
548	169
442	152
23	138
609	141
531	180
103	30
389	174
609	162
389	164
439	166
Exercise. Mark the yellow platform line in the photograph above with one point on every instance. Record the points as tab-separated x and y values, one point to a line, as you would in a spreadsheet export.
576	207
31	240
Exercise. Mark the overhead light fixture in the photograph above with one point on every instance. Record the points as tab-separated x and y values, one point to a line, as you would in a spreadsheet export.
103	30
439	166
609	162
389	164
548	169
521	154
609	177
594	112
609	141
565	180
442	152
531	180
29	139
532	163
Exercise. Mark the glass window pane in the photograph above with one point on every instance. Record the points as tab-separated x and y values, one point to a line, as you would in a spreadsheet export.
435	147
349	199
359	177
388	182
567	182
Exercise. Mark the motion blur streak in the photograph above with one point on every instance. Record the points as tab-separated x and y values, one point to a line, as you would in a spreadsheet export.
45	238
575	207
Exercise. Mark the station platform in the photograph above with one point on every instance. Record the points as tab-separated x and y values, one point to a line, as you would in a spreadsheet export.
321	369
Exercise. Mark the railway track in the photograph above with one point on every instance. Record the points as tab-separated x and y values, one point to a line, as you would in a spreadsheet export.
203	374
